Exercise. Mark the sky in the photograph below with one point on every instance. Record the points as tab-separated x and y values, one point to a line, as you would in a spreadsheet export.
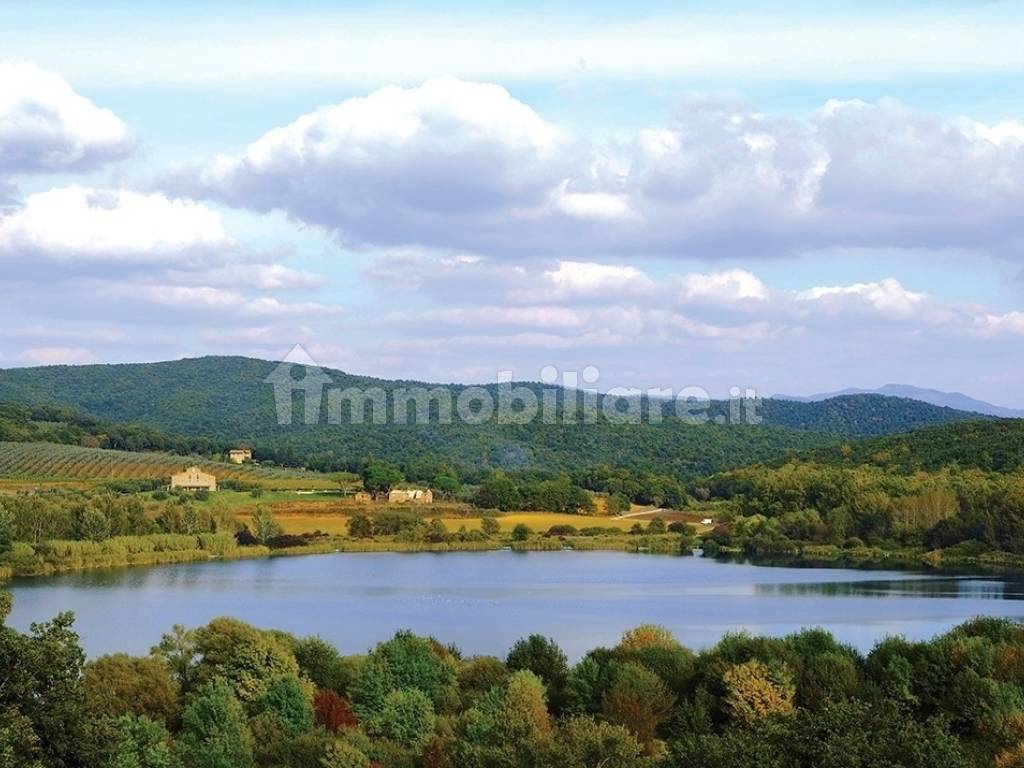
789	197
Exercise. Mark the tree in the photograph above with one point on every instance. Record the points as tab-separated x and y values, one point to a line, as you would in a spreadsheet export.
479	675
436	531
40	693
404	661
545	659
490	527
447	486
506	725
7	530
755	690
132	741
264	526
360	527
91	524
333	712
498	491
121	684
647	636
344	480
341	754
637	699
320	662
380	477
214	733
406	716
583	742
656	526
245	657
617	503
287	698
521	532
178	650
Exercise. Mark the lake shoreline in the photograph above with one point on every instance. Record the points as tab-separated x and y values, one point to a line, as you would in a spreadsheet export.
807	556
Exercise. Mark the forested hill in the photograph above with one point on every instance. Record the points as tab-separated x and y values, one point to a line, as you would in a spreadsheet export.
64	425
227	398
990	445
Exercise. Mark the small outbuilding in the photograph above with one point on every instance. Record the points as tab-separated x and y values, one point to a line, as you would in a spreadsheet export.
362	497
239	455
193	479
411	496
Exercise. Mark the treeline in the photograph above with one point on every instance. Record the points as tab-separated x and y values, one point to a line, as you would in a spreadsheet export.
994	446
228	695
770	507
534	489
66	426
95	516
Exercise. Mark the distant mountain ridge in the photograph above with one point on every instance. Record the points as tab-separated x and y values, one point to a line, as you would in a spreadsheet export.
956	400
229	399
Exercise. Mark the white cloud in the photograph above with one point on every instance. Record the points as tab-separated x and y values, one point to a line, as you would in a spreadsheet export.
989	324
72	224
206	299
459	166
56	356
887	297
582	279
402	165
553	317
46	127
727	287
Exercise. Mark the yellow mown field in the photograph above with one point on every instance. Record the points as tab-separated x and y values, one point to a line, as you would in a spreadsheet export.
337	524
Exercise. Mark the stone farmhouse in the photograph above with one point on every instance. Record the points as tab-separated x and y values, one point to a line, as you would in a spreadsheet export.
193	479
239	455
411	496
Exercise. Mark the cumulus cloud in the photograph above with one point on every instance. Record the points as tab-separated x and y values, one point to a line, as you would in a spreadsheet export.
887	297
72	224
46	127
727	287
584	279
456	165
402	165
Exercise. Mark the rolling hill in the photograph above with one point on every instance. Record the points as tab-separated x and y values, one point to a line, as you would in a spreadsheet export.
990	445
228	399
956	400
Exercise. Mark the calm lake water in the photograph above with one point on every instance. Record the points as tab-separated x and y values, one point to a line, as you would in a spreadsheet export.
484	601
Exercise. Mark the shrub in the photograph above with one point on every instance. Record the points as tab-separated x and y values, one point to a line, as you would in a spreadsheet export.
521	532
490	527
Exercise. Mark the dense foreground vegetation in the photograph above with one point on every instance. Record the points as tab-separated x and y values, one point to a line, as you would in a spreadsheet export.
228	695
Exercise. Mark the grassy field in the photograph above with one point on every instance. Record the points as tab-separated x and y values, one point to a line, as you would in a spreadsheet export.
49	464
335	522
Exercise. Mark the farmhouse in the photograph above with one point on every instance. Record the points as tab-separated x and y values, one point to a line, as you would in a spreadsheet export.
411	495
194	479
239	455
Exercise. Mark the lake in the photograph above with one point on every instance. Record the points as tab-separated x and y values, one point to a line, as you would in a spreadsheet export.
485	601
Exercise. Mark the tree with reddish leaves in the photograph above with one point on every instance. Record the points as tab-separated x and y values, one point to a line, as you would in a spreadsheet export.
333	711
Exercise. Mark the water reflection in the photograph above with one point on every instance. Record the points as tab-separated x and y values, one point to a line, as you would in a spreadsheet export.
933	587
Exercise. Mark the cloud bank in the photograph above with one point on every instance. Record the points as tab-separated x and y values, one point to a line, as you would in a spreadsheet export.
458	165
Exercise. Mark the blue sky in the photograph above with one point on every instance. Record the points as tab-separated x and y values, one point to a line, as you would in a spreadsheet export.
787	196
